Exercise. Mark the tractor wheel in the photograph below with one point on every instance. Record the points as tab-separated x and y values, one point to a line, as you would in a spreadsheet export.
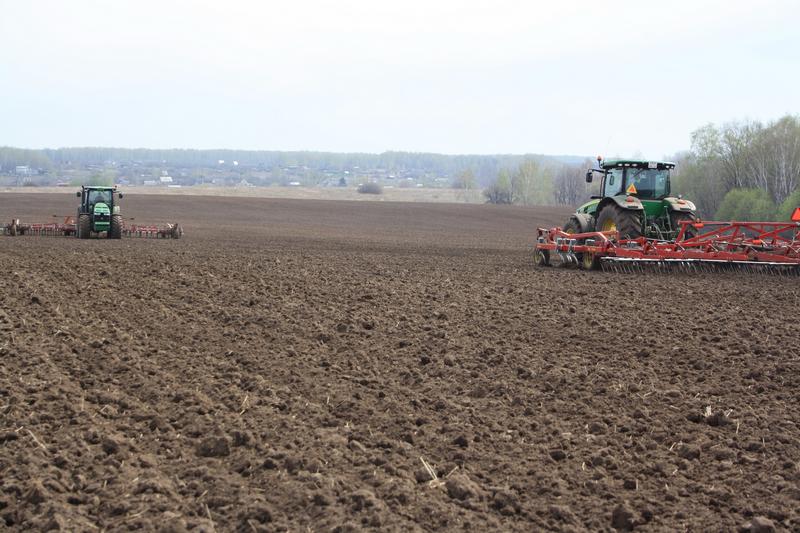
625	221
115	231
84	227
573	226
541	258
676	218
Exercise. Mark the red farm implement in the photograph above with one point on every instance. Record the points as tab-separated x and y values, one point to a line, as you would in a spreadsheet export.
98	215
769	247
68	228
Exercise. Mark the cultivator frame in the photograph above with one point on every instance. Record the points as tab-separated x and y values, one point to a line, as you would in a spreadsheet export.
69	227
764	247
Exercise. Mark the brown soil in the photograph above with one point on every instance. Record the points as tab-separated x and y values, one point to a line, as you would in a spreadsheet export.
288	365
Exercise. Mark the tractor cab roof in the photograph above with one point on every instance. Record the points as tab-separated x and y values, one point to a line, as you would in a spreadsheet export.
99	187
636	163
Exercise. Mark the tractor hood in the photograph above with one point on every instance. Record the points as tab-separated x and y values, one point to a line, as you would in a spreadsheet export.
101	208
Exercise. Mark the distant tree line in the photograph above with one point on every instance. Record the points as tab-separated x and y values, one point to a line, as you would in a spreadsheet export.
484	167
540	182
740	170
743	170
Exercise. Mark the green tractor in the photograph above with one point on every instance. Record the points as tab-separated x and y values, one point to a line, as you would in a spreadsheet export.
635	201
99	212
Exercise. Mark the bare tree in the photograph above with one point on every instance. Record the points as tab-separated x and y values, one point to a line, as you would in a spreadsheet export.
532	184
570	184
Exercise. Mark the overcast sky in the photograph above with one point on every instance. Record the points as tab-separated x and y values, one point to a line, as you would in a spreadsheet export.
452	76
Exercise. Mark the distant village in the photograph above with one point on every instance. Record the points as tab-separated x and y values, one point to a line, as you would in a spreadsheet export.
226	173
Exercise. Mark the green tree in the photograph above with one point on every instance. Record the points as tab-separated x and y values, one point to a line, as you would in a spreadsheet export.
532	184
788	206
746	205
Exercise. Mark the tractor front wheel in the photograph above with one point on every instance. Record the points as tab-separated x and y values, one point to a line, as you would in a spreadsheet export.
115	231
627	222
84	227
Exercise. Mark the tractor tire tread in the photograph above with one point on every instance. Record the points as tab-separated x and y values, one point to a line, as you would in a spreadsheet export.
84	226
627	221
115	231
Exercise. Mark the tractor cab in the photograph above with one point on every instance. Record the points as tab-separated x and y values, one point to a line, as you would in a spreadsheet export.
644	179
647	180
91	196
97	196
635	200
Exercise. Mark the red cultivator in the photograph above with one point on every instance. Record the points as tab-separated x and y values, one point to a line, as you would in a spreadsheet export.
99	215
68	228
771	247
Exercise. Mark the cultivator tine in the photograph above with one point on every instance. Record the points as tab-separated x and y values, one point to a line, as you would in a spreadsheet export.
696	266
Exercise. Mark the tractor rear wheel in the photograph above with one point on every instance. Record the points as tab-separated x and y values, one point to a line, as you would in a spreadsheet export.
676	218
84	227
115	231
627	222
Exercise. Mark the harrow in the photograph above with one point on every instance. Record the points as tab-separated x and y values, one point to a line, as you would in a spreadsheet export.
700	246
68	228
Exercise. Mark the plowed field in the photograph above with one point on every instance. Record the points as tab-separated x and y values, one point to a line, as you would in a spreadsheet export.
321	365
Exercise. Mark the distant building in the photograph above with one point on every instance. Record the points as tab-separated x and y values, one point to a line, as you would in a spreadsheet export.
23	170
165	179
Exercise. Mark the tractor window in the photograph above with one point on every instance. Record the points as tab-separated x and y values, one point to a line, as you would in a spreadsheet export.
649	183
99	196
613	183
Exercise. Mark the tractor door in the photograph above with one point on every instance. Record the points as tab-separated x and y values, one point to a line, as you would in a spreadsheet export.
613	182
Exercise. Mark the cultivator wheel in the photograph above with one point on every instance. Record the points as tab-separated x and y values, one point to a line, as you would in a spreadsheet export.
541	257
590	261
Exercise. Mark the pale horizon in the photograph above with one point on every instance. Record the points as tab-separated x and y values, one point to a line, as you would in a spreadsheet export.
453	78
